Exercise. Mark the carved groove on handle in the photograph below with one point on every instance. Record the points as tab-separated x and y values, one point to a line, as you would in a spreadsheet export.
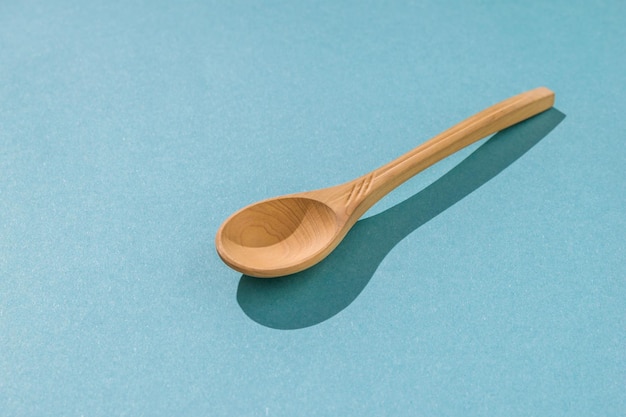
360	188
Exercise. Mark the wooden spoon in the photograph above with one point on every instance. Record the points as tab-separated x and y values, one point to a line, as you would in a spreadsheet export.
288	234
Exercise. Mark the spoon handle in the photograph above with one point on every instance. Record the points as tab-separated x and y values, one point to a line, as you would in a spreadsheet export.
370	188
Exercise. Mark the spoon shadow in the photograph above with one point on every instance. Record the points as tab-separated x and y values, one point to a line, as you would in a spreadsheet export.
320	292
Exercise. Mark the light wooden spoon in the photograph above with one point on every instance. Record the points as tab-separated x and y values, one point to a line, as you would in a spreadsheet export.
284	235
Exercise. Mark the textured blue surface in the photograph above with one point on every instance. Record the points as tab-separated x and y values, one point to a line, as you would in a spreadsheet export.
492	284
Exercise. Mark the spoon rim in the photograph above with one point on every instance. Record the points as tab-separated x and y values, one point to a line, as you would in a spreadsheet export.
296	264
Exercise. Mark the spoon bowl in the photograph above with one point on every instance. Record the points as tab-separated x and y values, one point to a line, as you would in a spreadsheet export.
272	236
285	235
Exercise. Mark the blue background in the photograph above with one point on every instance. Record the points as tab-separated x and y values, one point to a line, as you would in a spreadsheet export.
491	284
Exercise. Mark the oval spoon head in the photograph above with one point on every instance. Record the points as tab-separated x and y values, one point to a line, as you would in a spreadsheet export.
279	236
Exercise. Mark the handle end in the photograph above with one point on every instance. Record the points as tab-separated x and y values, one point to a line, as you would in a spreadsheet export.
544	93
